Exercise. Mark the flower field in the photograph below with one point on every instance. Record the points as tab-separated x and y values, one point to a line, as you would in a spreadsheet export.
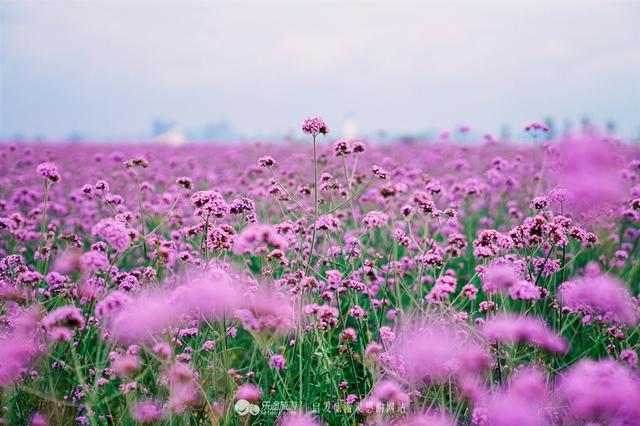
321	282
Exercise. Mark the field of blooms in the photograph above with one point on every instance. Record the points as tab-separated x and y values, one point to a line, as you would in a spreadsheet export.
326	282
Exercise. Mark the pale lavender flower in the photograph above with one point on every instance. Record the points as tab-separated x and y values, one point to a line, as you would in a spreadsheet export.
600	390
511	328
499	277
602	295
249	392
147	411
258	238
114	232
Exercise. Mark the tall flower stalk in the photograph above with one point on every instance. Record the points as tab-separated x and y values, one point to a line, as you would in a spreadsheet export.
49	172
314	126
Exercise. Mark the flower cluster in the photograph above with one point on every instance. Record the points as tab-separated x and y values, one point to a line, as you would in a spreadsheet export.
483	283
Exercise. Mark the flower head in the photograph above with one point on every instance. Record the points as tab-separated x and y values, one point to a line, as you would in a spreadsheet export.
48	171
602	295
514	329
314	126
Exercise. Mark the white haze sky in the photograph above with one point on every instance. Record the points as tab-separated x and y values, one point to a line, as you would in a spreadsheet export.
106	69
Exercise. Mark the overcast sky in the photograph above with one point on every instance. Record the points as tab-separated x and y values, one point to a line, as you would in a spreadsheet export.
106	69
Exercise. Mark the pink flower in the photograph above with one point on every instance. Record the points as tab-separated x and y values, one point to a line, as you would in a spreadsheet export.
524	290
94	261
426	419
38	419
249	392
48	171
277	362
258	238
125	365
314	126
266	161
147	411
18	348
298	419
206	296
60	322
525	402
513	329
380	173
603	295
630	357
589	170
327	222
266	312
499	277
184	391
431	353
112	303
114	232
375	219
209	204
390	391
600	391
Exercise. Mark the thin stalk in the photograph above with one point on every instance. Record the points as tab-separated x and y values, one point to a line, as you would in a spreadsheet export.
315	201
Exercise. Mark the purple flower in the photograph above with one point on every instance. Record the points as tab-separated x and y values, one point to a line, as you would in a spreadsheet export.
298	419
48	171
524	290
113	303
602	295
60	322
380	173
209	204
266	312
114	232
630	357
600	391
513	329
327	222
375	219
499	277
38	419
526	401
431	353
277	362
314	126
258	238
147	411
249	392
390	391
341	148
94	261
266	161
18	348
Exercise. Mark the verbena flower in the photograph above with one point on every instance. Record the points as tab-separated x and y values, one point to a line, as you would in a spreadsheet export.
114	232
48	171
600	391
277	362
315	126
147	411
516	328
602	295
259	238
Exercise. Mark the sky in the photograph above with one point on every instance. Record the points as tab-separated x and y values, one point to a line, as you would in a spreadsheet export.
107	69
